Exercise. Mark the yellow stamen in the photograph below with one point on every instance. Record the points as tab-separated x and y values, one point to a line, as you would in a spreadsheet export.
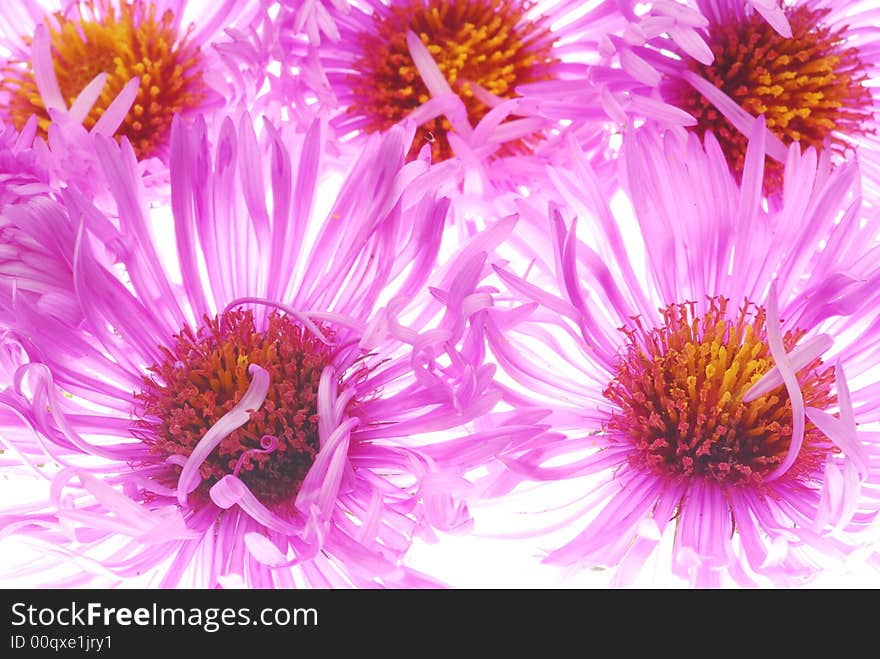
489	43
808	87
678	395
128	41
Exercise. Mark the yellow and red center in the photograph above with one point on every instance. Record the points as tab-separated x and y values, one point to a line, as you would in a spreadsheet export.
205	374
678	398
489	43
808	87
128	41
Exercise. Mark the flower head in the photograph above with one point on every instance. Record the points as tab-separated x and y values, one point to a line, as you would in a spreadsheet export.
451	67
251	411
116	67
717	67
712	393
483	48
810	85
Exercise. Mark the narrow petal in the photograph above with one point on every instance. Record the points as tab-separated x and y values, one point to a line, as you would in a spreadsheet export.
789	377
87	97
112	118
44	70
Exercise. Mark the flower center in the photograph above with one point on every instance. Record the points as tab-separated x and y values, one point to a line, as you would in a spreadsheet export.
205	374
678	393
128	42
808	87
485	43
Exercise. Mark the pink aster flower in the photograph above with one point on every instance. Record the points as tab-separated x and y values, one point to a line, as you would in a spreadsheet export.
249	411
719	398
115	67
452	67
717	66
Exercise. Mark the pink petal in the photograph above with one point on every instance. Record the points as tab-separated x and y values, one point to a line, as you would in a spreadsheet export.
44	70
114	114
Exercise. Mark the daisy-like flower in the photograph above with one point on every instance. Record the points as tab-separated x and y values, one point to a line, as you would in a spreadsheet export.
724	396
806	67
115	67
450	66
811	86
248	412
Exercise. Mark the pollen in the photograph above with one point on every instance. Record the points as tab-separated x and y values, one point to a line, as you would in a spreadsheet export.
479	46
810	87
124	40
205	374
678	398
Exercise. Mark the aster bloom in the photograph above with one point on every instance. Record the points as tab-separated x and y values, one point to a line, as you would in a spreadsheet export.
250	411
115	67
450	66
722	402
811	87
808	75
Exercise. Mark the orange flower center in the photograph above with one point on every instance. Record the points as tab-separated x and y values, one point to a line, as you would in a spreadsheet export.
485	43
125	42
678	396
808	87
